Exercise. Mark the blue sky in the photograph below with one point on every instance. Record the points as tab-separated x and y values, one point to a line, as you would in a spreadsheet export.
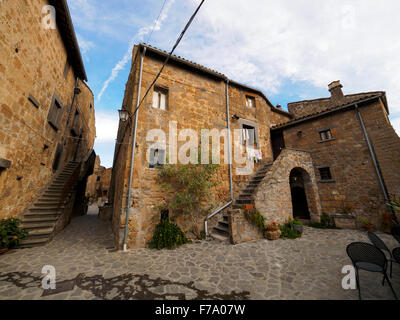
291	50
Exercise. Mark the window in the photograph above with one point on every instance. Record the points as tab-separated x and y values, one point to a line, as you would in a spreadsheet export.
55	113
160	98
66	69
325	134
157	157
75	124
34	101
250	102
325	173
249	135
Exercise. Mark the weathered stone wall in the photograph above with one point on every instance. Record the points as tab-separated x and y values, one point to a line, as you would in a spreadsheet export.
273	198
99	183
355	183
241	230
195	101
32	63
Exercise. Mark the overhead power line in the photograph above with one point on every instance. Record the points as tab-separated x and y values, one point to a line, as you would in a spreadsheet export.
156	21
169	55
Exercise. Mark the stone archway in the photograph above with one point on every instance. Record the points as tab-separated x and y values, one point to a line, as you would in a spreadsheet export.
301	193
273	198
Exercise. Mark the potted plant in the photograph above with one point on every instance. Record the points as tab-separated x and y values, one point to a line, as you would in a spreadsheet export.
10	234
346	210
272	231
367	224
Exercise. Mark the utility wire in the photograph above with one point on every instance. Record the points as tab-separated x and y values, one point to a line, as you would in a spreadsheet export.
169	55
156	21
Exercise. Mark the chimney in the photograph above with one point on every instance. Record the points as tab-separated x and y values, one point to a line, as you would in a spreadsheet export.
336	91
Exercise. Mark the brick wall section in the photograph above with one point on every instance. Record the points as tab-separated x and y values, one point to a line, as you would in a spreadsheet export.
386	145
355	181
195	101
32	62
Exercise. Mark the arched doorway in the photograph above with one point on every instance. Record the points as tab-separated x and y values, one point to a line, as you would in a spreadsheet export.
299	185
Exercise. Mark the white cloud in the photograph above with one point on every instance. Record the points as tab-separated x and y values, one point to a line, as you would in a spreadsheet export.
106	126
138	37
85	45
264	43
396	124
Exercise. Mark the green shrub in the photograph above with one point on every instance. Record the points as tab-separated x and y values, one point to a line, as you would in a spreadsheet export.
167	235
10	233
255	217
288	231
297	222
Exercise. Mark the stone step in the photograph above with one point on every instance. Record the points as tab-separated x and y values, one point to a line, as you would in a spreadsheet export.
43	203
41	219
40	214
225	218
40	232
223	224
244	201
49	208
237	206
221	230
34	242
34	226
219	237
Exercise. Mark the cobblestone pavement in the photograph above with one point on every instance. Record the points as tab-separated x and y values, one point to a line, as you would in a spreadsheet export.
306	268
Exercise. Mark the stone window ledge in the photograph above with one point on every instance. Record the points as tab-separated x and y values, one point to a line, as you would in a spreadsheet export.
327	140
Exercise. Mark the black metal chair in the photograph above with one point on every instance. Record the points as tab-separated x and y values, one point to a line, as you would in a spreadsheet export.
378	242
396	233
367	257
396	254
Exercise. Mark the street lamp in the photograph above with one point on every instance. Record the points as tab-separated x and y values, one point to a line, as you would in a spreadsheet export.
124	115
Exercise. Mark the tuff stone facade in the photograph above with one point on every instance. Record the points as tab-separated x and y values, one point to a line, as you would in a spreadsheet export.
98	183
196	100
37	66
354	180
290	144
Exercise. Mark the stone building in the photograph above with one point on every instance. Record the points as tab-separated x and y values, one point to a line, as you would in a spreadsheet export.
98	184
314	158
47	120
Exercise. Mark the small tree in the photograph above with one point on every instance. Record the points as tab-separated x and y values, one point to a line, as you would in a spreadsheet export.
187	188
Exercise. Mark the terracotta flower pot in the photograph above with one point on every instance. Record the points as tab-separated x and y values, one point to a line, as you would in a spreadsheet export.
273	235
249	206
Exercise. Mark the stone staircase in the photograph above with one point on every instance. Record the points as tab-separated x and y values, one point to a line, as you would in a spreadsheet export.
246	196
40	219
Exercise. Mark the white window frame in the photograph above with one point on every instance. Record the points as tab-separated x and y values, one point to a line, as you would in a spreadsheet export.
158	94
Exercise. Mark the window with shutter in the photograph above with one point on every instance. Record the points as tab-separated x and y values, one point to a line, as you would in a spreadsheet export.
250	102
160	98
55	113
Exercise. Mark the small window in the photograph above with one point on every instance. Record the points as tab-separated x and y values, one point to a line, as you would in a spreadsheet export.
325	135
75	124
157	157
66	69
160	98
249	135
55	113
325	173
250	102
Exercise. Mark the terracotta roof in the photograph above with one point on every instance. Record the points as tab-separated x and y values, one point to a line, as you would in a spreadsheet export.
214	73
67	32
352	100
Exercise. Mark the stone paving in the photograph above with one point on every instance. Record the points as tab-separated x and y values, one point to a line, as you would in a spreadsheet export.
305	268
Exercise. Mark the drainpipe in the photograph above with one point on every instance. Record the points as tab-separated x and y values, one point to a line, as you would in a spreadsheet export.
134	128
374	160
228	121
